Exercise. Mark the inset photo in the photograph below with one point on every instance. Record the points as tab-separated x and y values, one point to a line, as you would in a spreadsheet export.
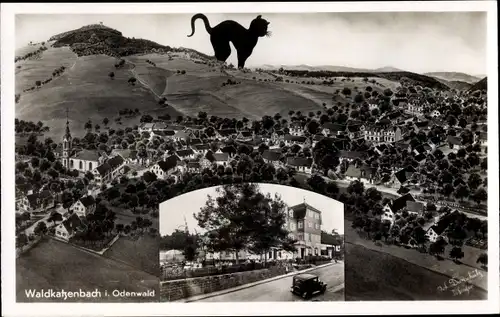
251	242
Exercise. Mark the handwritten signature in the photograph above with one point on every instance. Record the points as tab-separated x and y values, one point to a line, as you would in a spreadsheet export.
455	284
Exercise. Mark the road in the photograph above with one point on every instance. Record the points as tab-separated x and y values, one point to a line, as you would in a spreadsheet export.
279	290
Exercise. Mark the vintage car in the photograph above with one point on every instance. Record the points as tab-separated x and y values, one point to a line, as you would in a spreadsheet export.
306	285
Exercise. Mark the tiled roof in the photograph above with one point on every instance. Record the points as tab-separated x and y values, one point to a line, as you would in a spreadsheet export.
299	161
87	155
167	164
271	155
400	202
295	138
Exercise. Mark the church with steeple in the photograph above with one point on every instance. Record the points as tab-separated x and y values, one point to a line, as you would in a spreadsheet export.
83	160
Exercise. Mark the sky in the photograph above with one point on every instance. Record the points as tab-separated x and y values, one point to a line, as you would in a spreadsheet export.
414	41
173	211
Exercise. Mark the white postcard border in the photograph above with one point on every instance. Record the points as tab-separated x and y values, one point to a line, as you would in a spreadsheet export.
10	308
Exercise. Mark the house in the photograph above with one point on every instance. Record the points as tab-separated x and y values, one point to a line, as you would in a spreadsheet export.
437	230
193	167
316	138
176	127
301	164
333	129
372	104
481	137
272	157
376	134
67	229
455	142
244	136
296	128
200	148
183	136
36	201
221	158
299	140
164	134
84	206
364	173
278	136
401	177
195	141
163	169
415	207
435	114
230	150
109	169
351	155
414	108
304	224
397	205
185	154
225	133
146	127
160	126
354	131
130	156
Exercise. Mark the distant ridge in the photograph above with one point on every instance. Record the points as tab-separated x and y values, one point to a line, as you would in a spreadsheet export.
454	76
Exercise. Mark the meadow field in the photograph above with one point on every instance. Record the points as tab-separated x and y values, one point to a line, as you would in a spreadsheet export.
141	253
402	280
59	266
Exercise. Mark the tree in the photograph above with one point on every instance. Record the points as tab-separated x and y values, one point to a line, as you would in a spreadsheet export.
480	195
38	83
55	217
474	181
111	75
461	192
105	121
456	253
41	228
132	80
324	154
146	118
346	91
483	259
21	240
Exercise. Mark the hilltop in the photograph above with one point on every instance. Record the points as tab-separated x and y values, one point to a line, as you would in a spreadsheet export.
98	74
480	85
99	39
454	76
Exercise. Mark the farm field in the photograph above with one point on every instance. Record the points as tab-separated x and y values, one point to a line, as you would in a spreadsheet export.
21	51
29	71
141	253
402	280
446	266
88	92
56	265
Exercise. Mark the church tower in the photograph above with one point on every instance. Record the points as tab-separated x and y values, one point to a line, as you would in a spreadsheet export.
67	143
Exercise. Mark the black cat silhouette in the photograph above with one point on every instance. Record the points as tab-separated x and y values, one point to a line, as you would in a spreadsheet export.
244	40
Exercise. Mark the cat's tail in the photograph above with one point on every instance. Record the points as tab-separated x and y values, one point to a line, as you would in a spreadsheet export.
205	20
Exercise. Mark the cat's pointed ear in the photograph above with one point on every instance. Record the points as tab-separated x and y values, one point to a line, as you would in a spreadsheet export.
259	17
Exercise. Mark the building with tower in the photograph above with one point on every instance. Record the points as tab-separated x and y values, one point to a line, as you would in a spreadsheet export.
83	160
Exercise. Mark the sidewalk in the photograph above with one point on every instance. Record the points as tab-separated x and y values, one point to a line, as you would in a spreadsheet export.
238	288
